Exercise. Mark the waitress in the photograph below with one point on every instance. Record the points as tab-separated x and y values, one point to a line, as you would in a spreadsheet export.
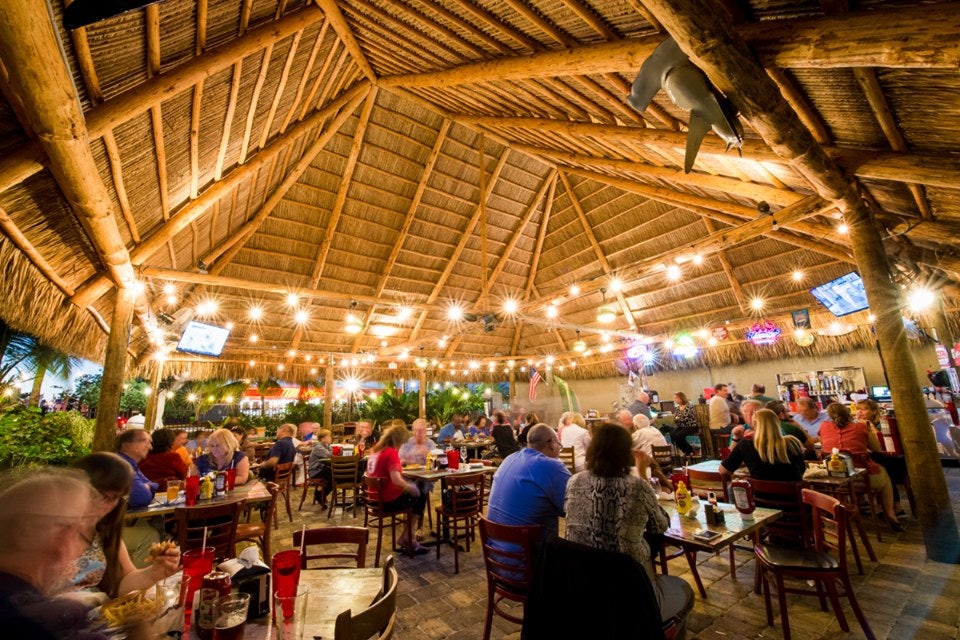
223	453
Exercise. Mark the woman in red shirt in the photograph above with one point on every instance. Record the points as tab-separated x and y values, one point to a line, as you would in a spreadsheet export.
398	494
859	439
162	463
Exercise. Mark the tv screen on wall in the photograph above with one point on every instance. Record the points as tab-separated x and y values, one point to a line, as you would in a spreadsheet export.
203	339
842	296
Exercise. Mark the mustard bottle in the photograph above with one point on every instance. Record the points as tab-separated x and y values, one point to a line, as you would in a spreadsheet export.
682	497
206	488
835	466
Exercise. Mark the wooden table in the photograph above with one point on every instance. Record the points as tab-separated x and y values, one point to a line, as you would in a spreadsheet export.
332	592
251	492
439	474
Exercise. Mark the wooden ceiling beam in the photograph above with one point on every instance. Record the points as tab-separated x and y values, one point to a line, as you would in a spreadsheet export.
597	249
535	260
905	37
728	270
191	211
332	11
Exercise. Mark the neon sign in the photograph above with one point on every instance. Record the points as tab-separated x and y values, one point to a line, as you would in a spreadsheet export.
763	333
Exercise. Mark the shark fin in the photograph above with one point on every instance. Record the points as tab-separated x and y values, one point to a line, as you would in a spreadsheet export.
698	128
650	78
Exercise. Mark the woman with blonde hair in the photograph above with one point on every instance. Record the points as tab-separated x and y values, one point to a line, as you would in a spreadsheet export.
769	455
223	452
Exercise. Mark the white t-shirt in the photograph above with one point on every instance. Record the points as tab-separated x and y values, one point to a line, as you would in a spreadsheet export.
579	438
719	412
647	438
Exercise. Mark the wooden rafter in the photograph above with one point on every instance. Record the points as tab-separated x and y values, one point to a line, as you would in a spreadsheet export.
278	94
728	270
597	249
305	76
332	12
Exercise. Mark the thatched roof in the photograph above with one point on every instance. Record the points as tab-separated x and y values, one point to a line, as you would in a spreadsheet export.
416	154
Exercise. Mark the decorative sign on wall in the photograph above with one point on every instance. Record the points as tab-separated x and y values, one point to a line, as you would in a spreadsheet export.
943	357
801	319
684	347
720	333
803	338
764	332
956	354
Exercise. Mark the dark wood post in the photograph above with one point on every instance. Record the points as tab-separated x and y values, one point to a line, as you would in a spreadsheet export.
422	400
114	369
328	391
153	400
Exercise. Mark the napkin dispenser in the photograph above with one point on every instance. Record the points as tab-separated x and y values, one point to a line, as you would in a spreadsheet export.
840	465
256	582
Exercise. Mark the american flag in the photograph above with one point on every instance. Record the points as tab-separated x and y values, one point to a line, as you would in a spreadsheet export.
534	381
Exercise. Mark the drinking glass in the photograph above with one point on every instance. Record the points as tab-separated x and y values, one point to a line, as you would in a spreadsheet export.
290	613
285	569
196	564
173	490
171	595
231	478
231	617
192	490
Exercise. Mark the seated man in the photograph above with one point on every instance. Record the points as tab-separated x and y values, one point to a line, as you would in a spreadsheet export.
790	428
809	417
530	486
48	521
133	445
448	430
283	451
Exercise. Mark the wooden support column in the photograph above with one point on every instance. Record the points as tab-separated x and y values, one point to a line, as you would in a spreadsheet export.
422	401
723	55
328	391
153	400
114	368
513	385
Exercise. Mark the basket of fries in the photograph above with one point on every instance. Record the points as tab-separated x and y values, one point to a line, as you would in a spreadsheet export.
131	610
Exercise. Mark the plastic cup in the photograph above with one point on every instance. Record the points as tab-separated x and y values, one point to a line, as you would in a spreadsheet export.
196	564
291	614
285	570
453	459
337	450
231	478
192	490
231	617
173	490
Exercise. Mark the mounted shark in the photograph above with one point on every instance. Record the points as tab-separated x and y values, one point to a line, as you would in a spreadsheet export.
689	88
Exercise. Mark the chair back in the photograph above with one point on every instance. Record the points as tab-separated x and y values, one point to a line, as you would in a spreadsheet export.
508	557
332	536
663	456
343	469
282	474
567	458
261	449
373	495
379	618
829	525
794	524
274	490
466	495
218	520
702	482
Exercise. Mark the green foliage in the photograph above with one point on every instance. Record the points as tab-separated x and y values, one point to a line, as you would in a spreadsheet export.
301	411
134	397
389	405
87	389
58	438
443	404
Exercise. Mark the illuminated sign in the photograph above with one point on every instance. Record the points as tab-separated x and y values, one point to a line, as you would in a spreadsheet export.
763	333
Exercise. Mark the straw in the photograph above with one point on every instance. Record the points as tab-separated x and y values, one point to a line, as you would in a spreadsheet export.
203	545
303	538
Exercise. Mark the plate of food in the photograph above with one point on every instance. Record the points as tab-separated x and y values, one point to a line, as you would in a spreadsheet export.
132	610
413	466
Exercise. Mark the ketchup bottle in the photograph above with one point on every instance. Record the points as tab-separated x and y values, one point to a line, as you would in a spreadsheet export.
743	497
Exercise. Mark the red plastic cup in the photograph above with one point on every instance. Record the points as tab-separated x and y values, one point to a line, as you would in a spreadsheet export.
453	459
196	564
231	478
285	569
337	450
192	490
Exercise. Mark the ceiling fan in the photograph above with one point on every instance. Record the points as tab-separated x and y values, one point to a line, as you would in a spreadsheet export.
81	13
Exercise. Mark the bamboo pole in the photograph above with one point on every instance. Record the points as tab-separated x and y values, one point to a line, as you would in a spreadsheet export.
714	46
38	74
114	368
153	400
328	391
422	399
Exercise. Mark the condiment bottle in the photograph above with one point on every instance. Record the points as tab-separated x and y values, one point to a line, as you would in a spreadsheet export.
835	466
206	488
682	497
743	497
220	483
215	585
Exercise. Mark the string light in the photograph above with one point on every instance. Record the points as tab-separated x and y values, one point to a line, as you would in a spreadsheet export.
255	313
756	304
797	275
673	272
292	299
843	229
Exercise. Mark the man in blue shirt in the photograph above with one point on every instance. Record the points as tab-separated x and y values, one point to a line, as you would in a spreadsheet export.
282	452
809	417
531	484
448	431
133	445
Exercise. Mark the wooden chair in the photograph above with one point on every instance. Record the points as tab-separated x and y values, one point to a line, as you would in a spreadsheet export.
792	528
663	456
567	458
218	520
316	483
461	510
332	536
375	514
825	564
344	472
509	572
861	486
260	531
658	542
702	483
379	618
283	476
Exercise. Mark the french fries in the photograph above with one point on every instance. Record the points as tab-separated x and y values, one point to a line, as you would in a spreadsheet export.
158	549
128	610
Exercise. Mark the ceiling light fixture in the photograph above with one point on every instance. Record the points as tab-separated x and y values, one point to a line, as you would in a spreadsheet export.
605	313
579	346
353	325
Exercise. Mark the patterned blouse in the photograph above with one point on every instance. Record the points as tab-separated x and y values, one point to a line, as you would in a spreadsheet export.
613	514
685	418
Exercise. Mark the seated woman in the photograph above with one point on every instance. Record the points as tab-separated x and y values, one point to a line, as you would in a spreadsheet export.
479	428
685	423
398	494
868	411
223	453
503	435
163	462
105	569
842	433
529	420
318	465
769	455
610	509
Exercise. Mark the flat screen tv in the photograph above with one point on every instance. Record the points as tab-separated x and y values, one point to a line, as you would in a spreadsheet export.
203	339
842	296
881	394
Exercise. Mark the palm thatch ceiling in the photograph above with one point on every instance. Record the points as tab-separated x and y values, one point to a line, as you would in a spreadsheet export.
410	155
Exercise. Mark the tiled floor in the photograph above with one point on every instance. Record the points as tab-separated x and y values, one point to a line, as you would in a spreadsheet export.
903	595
